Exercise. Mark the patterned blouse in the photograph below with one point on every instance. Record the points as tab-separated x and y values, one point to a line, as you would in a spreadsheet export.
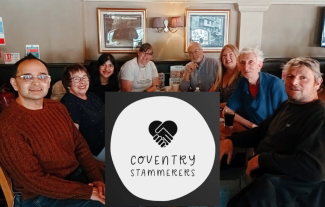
227	91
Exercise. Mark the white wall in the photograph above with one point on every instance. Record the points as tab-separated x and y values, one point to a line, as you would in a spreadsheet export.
54	25
67	30
292	30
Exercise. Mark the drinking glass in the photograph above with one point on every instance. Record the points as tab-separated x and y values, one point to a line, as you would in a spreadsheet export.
229	116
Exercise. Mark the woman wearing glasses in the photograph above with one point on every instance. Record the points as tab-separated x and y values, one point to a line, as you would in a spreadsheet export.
139	74
104	76
85	108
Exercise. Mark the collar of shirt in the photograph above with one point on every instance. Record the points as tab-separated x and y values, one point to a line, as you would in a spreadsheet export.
260	93
140	65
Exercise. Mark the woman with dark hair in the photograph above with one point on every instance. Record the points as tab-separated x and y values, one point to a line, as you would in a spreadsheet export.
140	74
104	77
85	108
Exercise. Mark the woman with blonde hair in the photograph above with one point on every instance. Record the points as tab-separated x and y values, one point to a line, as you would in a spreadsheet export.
228	74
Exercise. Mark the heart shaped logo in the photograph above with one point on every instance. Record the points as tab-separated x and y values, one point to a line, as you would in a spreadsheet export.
163	132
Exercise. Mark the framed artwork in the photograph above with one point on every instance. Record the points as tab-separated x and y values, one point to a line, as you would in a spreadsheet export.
209	27
322	44
121	30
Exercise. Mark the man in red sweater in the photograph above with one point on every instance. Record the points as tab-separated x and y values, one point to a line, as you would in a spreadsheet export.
45	155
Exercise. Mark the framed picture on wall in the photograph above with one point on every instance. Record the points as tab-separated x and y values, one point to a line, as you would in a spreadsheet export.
121	30
322	44
209	27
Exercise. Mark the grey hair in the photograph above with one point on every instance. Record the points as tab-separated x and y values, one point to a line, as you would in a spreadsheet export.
256	51
312	64
194	43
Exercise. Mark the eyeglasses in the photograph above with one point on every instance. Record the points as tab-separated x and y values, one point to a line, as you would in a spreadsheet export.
194	52
148	53
78	79
29	78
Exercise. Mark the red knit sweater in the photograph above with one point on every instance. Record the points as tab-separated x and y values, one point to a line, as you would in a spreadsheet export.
39	148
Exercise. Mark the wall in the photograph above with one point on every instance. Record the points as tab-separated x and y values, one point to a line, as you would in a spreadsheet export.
67	30
54	25
167	46
292	30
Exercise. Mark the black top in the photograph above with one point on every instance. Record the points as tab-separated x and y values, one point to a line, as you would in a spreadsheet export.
99	90
290	142
226	92
90	116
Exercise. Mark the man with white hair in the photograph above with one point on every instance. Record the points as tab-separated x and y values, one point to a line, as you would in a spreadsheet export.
200	72
258	94
289	162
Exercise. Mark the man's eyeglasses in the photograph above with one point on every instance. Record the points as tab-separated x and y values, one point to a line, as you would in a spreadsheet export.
29	78
148	53
78	79
194	52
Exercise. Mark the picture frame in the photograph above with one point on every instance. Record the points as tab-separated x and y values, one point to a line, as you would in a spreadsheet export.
121	30
209	27
322	43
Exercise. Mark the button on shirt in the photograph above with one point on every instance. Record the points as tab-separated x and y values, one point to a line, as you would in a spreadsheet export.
203	77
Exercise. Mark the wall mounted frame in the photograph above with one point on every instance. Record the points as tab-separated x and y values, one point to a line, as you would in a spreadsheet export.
209	27
121	30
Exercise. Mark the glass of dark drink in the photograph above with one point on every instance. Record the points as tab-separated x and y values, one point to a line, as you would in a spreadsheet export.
229	117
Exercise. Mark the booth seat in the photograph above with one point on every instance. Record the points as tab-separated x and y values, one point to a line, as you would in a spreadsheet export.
270	65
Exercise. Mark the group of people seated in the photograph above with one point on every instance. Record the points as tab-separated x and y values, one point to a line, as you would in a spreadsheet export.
288	166
55	153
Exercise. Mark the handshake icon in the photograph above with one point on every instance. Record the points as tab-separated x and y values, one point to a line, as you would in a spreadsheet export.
163	132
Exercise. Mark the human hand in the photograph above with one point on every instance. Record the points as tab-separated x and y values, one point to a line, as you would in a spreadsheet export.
226	148
248	124
224	109
100	188
251	125
252	165
96	197
191	66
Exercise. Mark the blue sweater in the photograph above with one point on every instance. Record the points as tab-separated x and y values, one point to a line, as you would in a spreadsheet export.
271	93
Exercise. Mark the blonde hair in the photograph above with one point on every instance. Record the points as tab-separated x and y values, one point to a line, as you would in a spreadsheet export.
312	64
222	69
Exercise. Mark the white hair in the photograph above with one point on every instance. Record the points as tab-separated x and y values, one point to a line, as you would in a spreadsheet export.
256	51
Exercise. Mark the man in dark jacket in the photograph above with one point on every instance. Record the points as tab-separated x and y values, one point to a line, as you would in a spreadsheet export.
289	163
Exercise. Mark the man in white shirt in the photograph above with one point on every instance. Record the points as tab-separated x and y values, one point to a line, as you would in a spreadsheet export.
139	74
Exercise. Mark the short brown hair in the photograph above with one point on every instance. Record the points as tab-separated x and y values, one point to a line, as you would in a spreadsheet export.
70	70
145	47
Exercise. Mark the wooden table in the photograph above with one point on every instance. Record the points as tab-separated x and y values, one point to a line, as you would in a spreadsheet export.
224	132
